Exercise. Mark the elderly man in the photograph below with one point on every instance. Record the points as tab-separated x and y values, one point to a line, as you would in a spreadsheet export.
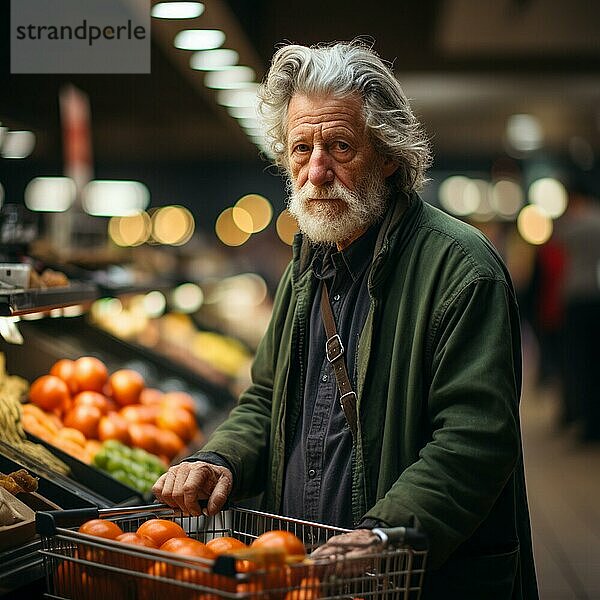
385	390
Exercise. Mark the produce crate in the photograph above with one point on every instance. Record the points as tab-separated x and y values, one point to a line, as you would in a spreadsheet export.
93	478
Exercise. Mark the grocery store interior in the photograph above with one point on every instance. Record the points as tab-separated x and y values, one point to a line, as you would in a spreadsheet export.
142	224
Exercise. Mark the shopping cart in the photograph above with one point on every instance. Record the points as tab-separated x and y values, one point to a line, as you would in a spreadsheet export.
81	567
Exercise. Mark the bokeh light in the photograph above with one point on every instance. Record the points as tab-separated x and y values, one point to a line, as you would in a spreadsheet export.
49	194
155	304
453	198
287	227
187	297
534	224
172	225
130	231
550	195
259	209
507	198
228	231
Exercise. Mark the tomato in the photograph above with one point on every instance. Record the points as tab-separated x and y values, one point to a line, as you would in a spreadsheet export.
90	398
70	580
225	545
73	435
310	588
49	392
179	400
285	541
136	540
101	528
113	427
160	530
65	370
169	443
138	413
126	386
178	420
144	436
188	547
85	419
90	373
150	396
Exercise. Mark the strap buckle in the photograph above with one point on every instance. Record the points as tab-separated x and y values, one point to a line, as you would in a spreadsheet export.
350	393
334	348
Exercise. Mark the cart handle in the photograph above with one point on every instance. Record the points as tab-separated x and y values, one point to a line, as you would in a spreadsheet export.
46	522
402	536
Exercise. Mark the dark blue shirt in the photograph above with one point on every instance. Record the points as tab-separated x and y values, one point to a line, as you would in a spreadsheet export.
318	474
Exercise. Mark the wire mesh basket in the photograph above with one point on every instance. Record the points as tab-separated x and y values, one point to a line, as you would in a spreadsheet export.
83	567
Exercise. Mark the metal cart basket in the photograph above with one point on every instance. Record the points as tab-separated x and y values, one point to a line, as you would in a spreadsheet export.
82	567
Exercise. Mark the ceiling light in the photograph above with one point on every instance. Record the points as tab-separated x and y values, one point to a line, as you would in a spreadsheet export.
249	123
524	132
245	97
231	78
18	144
177	10
115	198
242	112
50	194
199	39
213	60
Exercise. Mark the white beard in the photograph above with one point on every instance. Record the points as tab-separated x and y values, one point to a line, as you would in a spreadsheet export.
333	213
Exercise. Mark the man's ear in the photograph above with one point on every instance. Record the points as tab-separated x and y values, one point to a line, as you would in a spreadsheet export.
389	167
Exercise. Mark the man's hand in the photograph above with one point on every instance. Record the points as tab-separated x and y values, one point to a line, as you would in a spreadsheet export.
352	546
184	484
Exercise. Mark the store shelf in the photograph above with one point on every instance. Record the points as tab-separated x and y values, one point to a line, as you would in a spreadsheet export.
20	302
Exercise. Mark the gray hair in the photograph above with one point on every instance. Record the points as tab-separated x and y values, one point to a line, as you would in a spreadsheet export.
343	69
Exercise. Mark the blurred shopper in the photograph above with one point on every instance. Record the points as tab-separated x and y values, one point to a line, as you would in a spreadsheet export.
426	430
579	232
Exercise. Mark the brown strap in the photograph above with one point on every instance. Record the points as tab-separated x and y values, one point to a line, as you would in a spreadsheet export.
334	350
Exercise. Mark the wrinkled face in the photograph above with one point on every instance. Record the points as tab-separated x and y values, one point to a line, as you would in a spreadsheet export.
337	179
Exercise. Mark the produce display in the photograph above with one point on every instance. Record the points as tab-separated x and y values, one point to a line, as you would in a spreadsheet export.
266	561
79	405
132	466
15	442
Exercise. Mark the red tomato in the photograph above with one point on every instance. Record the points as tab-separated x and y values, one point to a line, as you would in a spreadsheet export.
85	419
49	392
136	540
90	373
169	444
138	413
113	427
179	400
92	399
65	369
285	541
101	528
178	420
144	436
150	396
160	530
126	386
225	545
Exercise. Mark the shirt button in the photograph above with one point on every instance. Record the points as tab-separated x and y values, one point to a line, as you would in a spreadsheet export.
325	377
312	473
336	297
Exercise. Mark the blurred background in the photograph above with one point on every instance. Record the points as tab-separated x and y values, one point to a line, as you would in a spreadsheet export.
145	216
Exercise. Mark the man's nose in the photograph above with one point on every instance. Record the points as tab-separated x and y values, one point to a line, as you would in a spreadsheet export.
319	168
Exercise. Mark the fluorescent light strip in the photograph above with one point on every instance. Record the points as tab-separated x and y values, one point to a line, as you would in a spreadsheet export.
213	60
231	78
199	39
177	10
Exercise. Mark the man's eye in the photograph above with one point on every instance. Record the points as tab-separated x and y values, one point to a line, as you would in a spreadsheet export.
301	148
342	146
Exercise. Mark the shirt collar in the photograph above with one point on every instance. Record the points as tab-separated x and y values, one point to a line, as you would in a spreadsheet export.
353	260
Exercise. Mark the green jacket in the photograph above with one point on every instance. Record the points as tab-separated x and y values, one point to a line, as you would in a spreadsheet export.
438	385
